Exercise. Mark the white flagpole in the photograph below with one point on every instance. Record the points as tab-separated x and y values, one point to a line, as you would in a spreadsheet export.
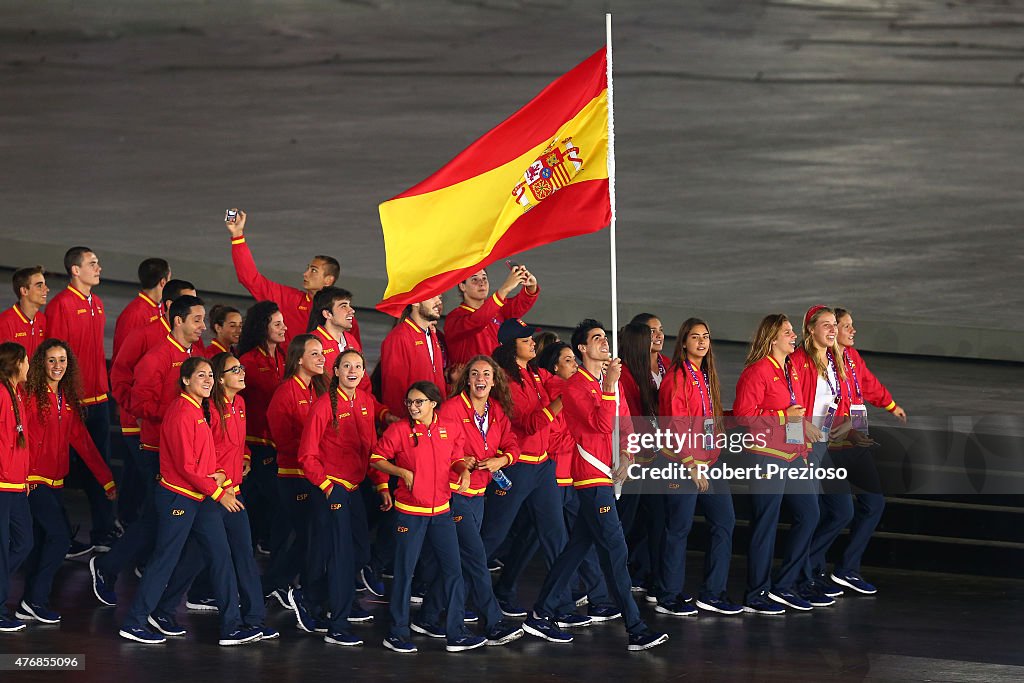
611	187
611	237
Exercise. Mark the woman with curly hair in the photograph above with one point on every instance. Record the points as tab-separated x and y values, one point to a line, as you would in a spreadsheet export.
54	417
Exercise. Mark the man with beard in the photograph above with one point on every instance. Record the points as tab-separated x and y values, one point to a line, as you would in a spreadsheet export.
411	353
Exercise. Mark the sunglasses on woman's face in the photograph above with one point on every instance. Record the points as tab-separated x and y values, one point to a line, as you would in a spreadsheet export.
415	402
237	370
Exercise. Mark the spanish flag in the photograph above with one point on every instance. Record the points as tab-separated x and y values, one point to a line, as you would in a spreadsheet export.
538	177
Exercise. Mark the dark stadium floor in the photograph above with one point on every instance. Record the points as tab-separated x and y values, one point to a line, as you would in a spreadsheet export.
921	626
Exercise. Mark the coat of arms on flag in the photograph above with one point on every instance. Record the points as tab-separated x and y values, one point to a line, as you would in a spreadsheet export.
553	169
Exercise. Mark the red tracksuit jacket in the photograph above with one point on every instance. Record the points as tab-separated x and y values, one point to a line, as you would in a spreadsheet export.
263	375
590	415
286	416
156	387
805	367
872	390
561	445
531	419
51	435
140	312
473	331
341	455
686	402
331	350
16	327
430	460
14	459
229	441
501	441
188	455
122	371
214	348
404	359
762	398
80	321
294	303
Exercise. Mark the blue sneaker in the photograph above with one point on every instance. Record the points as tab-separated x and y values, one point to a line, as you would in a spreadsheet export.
417	595
719	604
676	608
396	644
8	625
141	635
511	610
495	565
38	612
303	618
282	597
342	638
464	643
321	626
101	588
166	625
790	599
815	597
645	641
599	613
853	580
246	634
266	633
546	629
358	615
685	597
572	621
760	604
429	630
826	586
504	633
470	617
371	582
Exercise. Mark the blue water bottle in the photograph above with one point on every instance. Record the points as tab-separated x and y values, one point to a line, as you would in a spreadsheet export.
501	480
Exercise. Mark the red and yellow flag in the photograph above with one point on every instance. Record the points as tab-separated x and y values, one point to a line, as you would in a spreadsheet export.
538	177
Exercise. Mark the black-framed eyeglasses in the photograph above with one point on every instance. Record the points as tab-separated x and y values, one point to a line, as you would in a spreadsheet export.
237	370
415	402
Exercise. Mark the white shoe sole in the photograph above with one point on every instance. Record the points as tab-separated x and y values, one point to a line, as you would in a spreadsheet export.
664	610
13	629
708	608
463	648
648	646
751	610
535	632
515	635
196	607
843	582
155	624
132	637
331	641
92	571
401	652
284	602
775	598
25	612
416	628
245	641
601	620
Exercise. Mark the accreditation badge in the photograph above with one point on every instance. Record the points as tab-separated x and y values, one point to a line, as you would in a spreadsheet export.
795	432
859	417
